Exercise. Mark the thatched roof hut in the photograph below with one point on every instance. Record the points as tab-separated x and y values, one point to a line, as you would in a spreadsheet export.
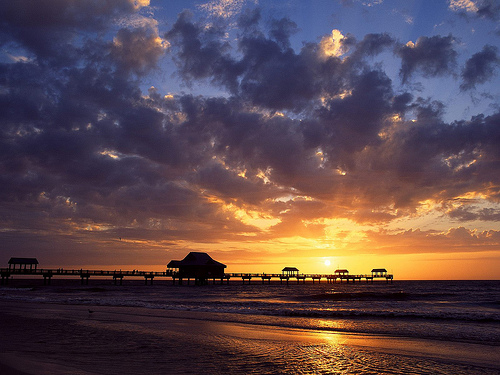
198	266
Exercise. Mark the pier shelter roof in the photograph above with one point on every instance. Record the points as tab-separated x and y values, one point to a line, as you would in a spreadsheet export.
290	270
23	262
341	272
379	270
198	265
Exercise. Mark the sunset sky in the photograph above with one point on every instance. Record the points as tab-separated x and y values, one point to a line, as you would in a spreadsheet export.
266	133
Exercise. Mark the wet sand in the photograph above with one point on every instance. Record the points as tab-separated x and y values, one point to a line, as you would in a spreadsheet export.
59	339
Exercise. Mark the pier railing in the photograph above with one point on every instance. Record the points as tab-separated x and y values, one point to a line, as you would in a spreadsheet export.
119	275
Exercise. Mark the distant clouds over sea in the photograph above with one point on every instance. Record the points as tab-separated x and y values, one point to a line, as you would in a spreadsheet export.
267	133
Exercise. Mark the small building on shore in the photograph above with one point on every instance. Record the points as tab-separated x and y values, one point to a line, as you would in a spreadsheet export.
198	266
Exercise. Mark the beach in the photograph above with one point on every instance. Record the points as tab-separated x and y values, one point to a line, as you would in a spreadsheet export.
249	187
51	338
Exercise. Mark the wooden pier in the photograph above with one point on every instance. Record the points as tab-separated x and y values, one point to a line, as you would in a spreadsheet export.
118	275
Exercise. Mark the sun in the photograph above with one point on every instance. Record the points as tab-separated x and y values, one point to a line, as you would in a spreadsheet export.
327	262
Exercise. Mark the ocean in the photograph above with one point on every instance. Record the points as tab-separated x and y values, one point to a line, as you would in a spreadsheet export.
448	314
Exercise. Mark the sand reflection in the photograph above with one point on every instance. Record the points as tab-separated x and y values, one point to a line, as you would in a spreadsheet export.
129	340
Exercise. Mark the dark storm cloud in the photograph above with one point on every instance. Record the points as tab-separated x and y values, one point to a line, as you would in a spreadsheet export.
472	213
432	56
84	149
243	138
428	154
373	44
47	28
137	50
202	54
355	121
67	131
227	185
480	67
489	9
282	30
269	73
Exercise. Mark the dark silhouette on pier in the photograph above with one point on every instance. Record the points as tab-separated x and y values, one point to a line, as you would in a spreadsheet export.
197	266
23	262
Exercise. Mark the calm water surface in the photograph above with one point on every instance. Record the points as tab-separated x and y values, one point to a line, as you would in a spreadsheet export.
451	311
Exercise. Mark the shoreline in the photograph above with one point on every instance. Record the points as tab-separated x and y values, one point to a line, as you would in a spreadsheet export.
38	330
340	324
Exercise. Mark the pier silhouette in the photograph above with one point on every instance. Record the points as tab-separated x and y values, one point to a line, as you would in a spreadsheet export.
149	276
192	269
